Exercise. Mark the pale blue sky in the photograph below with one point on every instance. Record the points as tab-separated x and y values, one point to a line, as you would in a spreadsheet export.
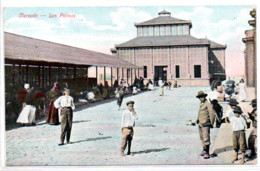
100	28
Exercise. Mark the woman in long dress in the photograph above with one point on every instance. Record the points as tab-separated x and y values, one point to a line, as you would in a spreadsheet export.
27	115
53	114
242	91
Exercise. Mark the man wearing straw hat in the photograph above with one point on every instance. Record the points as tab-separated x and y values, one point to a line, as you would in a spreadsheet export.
66	105
205	121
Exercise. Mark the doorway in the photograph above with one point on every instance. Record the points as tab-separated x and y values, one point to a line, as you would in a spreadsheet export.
160	72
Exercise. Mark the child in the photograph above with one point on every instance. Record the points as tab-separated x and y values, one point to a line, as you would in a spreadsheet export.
239	139
128	122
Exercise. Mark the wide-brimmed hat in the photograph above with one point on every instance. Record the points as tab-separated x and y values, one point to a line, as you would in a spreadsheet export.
254	102
201	94
233	102
238	110
130	102
67	90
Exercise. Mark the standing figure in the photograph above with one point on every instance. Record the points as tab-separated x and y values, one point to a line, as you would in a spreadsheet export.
239	138
242	91
170	84
27	116
252	140
161	84
229	113
205	121
66	105
128	122
53	113
218	111
120	97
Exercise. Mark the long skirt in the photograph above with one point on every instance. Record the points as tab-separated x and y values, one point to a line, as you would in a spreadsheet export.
53	114
27	115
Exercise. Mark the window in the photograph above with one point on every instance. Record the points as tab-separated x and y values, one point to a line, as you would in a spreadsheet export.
156	30
168	30
179	31
197	71
145	71
174	30
150	30
145	31
185	29
177	71
140	31
162	30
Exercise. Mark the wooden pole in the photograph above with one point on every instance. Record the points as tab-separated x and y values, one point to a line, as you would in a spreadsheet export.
13	73
111	76
43	78
97	74
26	73
104	75
19	74
86	77
39	76
50	76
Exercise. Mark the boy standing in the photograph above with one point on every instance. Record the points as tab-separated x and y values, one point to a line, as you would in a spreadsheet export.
128	122
66	105
239	139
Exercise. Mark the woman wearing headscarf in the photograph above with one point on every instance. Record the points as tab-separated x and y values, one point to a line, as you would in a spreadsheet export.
53	114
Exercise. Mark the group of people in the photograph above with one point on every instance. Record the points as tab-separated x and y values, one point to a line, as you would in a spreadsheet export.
58	101
209	110
238	121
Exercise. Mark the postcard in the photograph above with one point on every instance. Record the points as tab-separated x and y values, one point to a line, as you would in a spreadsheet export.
163	85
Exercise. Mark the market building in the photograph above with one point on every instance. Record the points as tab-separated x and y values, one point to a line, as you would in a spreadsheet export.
41	63
165	49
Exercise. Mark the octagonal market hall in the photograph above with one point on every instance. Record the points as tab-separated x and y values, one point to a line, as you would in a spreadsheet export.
165	49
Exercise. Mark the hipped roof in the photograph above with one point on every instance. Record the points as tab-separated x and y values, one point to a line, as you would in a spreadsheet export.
24	48
168	41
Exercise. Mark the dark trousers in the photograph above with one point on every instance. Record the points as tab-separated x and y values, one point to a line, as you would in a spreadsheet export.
252	140
119	100
66	124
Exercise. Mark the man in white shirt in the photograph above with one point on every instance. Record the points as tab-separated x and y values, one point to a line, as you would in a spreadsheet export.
66	105
128	122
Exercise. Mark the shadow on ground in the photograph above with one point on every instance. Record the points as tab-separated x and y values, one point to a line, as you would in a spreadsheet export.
224	149
151	150
91	139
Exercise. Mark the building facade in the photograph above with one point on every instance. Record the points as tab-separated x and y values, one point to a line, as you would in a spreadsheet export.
165	49
250	52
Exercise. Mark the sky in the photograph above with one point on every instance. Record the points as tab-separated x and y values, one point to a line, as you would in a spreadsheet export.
99	28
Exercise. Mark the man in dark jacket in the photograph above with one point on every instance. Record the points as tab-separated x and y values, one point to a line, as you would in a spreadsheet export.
205	121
